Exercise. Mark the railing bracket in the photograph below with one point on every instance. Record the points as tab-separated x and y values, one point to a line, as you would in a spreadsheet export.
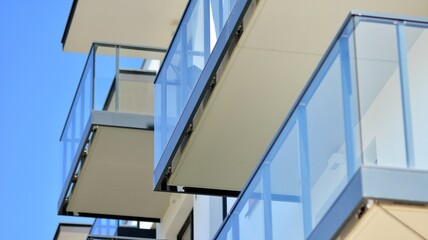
74	179
189	130
239	32
213	83
168	172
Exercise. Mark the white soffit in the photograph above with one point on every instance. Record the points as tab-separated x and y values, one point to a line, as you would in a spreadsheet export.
273	60
117	176
133	22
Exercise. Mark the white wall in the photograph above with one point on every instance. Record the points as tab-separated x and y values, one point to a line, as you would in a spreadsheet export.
207	216
382	122
418	75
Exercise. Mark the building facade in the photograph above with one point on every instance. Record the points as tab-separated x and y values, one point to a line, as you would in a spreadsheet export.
248	119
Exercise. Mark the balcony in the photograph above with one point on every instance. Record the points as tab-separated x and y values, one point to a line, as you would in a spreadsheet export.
205	38
349	160
107	139
74	231
110	229
138	22
229	79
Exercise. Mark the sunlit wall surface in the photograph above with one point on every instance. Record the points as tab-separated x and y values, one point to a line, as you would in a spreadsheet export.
364	105
194	41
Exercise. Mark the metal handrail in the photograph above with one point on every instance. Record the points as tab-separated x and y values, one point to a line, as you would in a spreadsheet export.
92	237
323	60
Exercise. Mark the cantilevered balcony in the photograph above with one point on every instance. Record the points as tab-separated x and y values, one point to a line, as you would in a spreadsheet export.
136	22
108	137
110	229
72	231
350	159
208	30
231	75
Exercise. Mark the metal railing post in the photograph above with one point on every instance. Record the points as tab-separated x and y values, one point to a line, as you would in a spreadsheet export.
405	95
116	99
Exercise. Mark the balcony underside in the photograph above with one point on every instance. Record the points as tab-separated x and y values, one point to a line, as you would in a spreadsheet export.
377	202
136	22
258	86
70	231
115	177
390	221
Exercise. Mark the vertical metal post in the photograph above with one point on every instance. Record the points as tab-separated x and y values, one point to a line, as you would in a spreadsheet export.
267	201
224	207
82	90
64	158
116	86
235	226
347	105
220	17
405	95
161	128
74	143
184	80
93	76
207	37
305	177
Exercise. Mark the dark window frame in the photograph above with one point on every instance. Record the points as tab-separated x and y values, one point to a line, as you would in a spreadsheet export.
188	224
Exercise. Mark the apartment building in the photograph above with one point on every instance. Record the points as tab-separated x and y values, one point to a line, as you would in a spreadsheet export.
311	113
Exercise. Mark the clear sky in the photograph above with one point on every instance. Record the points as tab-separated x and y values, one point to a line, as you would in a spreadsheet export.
38	82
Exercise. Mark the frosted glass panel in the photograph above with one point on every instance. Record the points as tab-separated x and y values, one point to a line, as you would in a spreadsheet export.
382	127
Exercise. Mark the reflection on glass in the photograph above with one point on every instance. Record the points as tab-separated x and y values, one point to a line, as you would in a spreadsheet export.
271	206
416	37
104	227
195	39
382	127
114	79
287	211
326	140
105	72
128	223
78	117
133	92
366	104
226	233
251	212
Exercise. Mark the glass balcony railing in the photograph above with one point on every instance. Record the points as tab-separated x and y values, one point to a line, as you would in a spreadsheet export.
196	49
365	105
116	78
104	227
111	229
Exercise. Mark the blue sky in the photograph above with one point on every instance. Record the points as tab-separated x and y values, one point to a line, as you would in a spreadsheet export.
38	82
